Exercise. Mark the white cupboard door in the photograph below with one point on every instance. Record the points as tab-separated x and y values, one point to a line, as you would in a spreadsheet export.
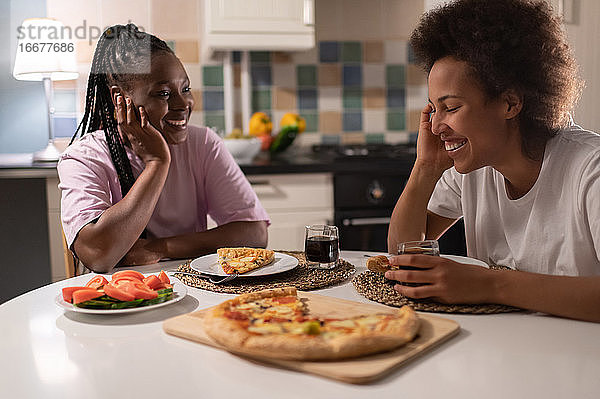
266	25
272	16
287	229
292	202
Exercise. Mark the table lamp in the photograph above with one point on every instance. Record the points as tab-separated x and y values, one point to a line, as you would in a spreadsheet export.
45	54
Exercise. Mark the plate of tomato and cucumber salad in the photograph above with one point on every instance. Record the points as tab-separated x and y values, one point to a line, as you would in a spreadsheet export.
127	291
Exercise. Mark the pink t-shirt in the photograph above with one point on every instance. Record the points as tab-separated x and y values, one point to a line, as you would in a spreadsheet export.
203	180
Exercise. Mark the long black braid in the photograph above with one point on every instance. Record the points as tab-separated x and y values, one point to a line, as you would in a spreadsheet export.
123	54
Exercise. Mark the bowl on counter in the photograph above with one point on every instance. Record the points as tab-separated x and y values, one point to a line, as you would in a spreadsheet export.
243	149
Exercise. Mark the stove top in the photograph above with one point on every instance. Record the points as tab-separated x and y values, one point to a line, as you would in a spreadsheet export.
362	151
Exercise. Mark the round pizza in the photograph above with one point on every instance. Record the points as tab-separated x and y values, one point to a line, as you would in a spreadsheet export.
276	323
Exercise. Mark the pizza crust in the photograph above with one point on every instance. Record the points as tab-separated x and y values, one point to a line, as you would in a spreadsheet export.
399	330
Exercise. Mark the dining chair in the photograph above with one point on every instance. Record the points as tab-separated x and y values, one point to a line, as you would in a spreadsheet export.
71	262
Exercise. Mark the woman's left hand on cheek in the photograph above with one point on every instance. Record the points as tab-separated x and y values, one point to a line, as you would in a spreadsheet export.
444	280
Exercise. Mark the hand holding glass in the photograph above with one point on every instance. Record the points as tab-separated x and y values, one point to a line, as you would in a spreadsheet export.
426	247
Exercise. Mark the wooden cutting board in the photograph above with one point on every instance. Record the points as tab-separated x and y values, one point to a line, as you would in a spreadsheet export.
433	331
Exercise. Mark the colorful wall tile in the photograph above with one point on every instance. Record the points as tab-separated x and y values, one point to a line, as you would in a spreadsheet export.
347	91
350	87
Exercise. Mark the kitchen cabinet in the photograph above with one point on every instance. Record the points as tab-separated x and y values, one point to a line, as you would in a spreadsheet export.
57	259
259	25
294	195
292	202
24	232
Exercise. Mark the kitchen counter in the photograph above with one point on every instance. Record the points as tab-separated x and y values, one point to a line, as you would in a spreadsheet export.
294	160
303	160
18	166
33	206
51	353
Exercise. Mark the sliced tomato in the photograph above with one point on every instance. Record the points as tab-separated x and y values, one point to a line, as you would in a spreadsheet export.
67	293
126	278
97	282
140	291
285	299
85	294
163	277
162	286
235	315
152	281
118	291
131	273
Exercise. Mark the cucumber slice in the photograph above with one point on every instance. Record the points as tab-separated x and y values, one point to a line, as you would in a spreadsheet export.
108	299
107	302
159	299
127	304
94	304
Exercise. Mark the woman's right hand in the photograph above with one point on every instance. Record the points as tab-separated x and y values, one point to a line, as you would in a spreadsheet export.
145	140
431	153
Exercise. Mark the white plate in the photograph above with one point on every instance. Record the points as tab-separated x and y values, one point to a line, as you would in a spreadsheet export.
208	264
179	292
465	259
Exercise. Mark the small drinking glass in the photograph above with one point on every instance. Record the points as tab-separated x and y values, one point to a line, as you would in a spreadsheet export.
321	246
426	247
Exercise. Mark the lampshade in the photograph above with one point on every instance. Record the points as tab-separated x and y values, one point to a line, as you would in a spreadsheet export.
44	49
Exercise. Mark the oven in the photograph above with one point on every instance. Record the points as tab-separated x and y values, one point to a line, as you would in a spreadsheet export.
364	197
363	204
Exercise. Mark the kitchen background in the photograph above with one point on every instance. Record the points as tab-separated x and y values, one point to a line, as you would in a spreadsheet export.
358	84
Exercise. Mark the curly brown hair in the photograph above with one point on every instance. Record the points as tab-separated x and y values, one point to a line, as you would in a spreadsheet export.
508	44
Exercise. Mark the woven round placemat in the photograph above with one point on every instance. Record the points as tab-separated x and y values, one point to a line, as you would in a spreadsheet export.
302	277
376	287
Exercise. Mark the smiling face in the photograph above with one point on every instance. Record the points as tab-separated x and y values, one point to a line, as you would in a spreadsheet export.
476	131
165	95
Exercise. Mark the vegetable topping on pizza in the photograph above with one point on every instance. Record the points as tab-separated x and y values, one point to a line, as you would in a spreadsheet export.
242	260
276	323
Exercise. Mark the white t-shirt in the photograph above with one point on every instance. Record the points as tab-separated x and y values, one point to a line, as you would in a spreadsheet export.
552	229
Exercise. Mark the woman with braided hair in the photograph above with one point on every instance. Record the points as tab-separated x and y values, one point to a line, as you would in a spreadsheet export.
497	147
138	184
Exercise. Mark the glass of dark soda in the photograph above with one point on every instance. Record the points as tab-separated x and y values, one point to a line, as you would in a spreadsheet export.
425	247
321	246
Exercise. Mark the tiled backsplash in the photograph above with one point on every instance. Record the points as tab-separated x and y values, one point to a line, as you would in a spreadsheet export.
357	84
348	92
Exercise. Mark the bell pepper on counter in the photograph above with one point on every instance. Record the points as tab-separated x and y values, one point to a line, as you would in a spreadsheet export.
260	124
291	125
284	138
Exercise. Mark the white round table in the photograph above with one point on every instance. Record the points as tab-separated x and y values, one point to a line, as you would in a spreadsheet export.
49	353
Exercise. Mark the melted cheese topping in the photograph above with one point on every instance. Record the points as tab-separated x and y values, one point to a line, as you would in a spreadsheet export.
288	315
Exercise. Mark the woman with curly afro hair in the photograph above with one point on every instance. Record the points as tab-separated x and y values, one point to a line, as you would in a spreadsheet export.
498	148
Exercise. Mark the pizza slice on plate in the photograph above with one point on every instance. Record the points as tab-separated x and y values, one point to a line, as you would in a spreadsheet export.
242	260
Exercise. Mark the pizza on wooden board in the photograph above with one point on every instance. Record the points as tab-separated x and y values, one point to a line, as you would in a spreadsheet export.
242	260
276	323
